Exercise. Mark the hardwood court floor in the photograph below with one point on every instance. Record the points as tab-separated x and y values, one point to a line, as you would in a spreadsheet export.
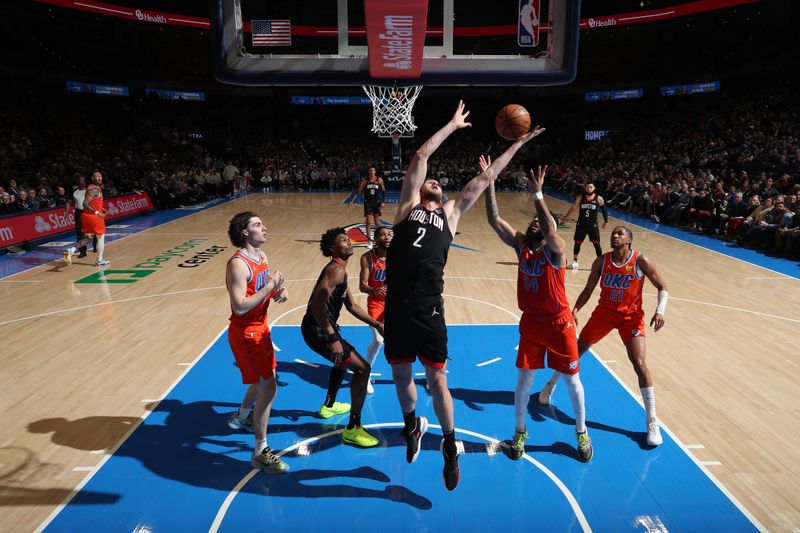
95	353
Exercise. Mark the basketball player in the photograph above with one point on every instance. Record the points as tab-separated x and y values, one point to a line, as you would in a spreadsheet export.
92	221
423	230
587	204
546	327
372	283
250	287
321	333
374	195
621	273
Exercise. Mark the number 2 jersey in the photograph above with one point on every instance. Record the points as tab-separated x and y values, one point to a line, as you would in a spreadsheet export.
621	285
418	253
540	284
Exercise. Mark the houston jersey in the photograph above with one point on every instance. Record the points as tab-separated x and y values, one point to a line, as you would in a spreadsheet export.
621	285
540	283
377	274
588	211
257	277
97	202
372	192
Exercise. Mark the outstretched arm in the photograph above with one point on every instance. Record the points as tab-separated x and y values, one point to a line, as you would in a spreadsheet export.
546	222
649	270
573	207
418	168
359	312
507	234
472	190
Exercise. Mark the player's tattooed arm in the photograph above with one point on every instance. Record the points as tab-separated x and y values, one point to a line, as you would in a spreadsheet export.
503	229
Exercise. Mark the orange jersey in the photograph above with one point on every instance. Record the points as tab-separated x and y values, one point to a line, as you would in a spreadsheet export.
377	275
540	283
97	202
257	277
621	285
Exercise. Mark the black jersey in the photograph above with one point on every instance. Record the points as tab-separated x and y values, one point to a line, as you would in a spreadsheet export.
416	258
333	307
588	212
372	192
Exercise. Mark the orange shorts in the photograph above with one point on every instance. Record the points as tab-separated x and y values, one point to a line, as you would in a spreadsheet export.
252	348
602	322
554	337
92	224
375	308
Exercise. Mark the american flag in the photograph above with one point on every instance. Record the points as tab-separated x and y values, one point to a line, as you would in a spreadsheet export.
271	32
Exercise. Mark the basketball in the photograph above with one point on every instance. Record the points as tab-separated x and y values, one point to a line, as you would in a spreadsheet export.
512	122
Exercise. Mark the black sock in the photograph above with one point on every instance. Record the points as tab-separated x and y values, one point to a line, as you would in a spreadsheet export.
450	443
335	379
410	420
355	420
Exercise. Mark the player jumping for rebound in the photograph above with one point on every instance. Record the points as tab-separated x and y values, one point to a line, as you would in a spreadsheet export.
423	230
372	281
546	327
621	274
587	204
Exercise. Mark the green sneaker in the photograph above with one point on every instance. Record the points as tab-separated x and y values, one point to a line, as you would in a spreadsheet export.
269	462
517	448
585	449
337	409
359	437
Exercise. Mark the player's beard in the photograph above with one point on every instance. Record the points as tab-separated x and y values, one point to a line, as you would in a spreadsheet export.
534	236
430	194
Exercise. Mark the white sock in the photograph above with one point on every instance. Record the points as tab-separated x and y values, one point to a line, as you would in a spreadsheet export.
101	246
649	399
374	346
575	388
243	413
522	395
72	249
261	444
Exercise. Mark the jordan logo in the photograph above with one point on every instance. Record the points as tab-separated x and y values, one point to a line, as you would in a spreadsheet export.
435	312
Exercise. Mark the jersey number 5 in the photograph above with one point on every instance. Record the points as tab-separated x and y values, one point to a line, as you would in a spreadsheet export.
421	232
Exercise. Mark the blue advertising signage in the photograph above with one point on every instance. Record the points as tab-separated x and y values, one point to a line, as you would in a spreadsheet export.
169	94
690	88
622	94
330	100
95	88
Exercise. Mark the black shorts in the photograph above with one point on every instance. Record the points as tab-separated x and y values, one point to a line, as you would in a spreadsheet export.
582	230
316	339
372	209
415	328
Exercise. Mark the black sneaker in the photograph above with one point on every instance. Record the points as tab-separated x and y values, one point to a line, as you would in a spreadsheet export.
451	473
414	437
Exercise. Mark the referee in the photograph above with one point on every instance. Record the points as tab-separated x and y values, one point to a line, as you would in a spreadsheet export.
78	195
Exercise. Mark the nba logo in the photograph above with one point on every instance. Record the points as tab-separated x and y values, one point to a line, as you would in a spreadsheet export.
528	27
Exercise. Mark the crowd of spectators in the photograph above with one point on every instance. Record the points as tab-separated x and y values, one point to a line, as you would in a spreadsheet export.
726	165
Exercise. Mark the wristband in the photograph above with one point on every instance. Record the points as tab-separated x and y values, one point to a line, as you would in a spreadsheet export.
663	296
538	195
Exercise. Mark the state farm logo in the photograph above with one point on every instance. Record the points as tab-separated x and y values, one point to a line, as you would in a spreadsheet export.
397	41
603	22
112	209
41	225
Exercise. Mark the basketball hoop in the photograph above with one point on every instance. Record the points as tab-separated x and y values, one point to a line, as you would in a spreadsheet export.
391	109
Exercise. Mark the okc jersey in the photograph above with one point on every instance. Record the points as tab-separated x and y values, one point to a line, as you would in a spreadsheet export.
97	202
621	285
258	276
588	211
540	283
377	275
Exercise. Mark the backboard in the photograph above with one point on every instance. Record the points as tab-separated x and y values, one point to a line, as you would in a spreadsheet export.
497	43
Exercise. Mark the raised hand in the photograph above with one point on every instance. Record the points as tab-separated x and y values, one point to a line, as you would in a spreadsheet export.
536	180
535	132
459	119
484	162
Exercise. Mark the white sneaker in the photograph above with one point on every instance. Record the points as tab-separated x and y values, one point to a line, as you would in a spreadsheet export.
653	432
102	263
573	265
370	388
546	395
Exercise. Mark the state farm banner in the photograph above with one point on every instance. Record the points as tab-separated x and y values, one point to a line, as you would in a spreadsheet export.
33	226
395	37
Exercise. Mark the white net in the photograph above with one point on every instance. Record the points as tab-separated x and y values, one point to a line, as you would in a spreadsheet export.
391	109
